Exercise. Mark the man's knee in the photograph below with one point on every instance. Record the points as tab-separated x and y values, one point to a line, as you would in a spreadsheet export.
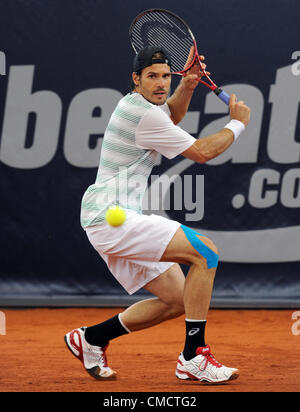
208	252
203	248
210	244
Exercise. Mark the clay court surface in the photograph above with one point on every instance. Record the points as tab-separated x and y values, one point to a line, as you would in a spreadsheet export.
260	343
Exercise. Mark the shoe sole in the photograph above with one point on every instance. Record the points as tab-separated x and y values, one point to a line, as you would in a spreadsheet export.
204	381
94	372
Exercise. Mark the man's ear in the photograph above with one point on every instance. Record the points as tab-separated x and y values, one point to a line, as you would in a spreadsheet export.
136	79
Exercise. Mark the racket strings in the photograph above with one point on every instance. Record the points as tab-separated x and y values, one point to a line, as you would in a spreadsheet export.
162	29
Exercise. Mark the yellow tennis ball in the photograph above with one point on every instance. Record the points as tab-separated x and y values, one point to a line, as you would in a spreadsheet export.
115	216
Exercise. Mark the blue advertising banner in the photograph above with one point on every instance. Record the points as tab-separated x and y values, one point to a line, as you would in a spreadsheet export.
64	65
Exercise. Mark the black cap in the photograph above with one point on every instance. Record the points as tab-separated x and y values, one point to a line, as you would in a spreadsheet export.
144	58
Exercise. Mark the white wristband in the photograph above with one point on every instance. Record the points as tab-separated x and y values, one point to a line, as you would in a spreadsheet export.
236	127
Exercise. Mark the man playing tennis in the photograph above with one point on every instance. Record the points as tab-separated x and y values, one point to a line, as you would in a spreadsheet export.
145	252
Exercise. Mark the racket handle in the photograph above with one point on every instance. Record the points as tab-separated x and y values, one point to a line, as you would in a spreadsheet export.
222	95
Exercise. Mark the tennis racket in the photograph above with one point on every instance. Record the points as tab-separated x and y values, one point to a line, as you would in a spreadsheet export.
159	27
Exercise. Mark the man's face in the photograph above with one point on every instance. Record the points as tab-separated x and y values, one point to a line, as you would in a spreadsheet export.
154	83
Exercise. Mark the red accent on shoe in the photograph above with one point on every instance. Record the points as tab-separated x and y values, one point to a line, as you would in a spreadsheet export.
74	344
192	377
205	351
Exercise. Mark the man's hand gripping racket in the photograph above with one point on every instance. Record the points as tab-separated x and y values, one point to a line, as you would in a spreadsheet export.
159	27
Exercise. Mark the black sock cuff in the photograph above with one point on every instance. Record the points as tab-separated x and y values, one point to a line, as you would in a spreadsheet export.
101	334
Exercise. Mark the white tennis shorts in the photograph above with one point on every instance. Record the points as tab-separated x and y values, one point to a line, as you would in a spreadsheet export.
132	251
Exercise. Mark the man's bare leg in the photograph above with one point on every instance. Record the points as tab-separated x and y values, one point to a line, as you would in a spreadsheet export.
200	280
198	290
196	360
168	287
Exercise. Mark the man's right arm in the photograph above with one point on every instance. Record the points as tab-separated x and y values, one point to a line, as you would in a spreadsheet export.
207	148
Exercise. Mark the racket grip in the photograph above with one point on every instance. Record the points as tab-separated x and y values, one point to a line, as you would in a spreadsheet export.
222	95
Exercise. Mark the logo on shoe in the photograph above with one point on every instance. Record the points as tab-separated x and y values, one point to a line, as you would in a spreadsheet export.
193	331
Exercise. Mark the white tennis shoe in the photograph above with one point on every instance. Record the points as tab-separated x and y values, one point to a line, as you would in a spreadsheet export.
93	358
204	367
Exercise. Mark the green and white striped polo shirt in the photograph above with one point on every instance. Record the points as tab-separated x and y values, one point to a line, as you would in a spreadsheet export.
125	165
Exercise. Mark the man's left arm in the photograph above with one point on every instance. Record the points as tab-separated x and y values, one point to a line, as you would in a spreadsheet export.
180	100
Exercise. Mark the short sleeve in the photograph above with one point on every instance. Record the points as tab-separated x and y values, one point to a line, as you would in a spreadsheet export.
165	108
156	131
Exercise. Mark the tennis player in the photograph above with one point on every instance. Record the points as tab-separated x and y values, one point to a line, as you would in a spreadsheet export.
145	252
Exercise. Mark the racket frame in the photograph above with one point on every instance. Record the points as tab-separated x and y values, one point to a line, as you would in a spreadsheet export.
211	85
